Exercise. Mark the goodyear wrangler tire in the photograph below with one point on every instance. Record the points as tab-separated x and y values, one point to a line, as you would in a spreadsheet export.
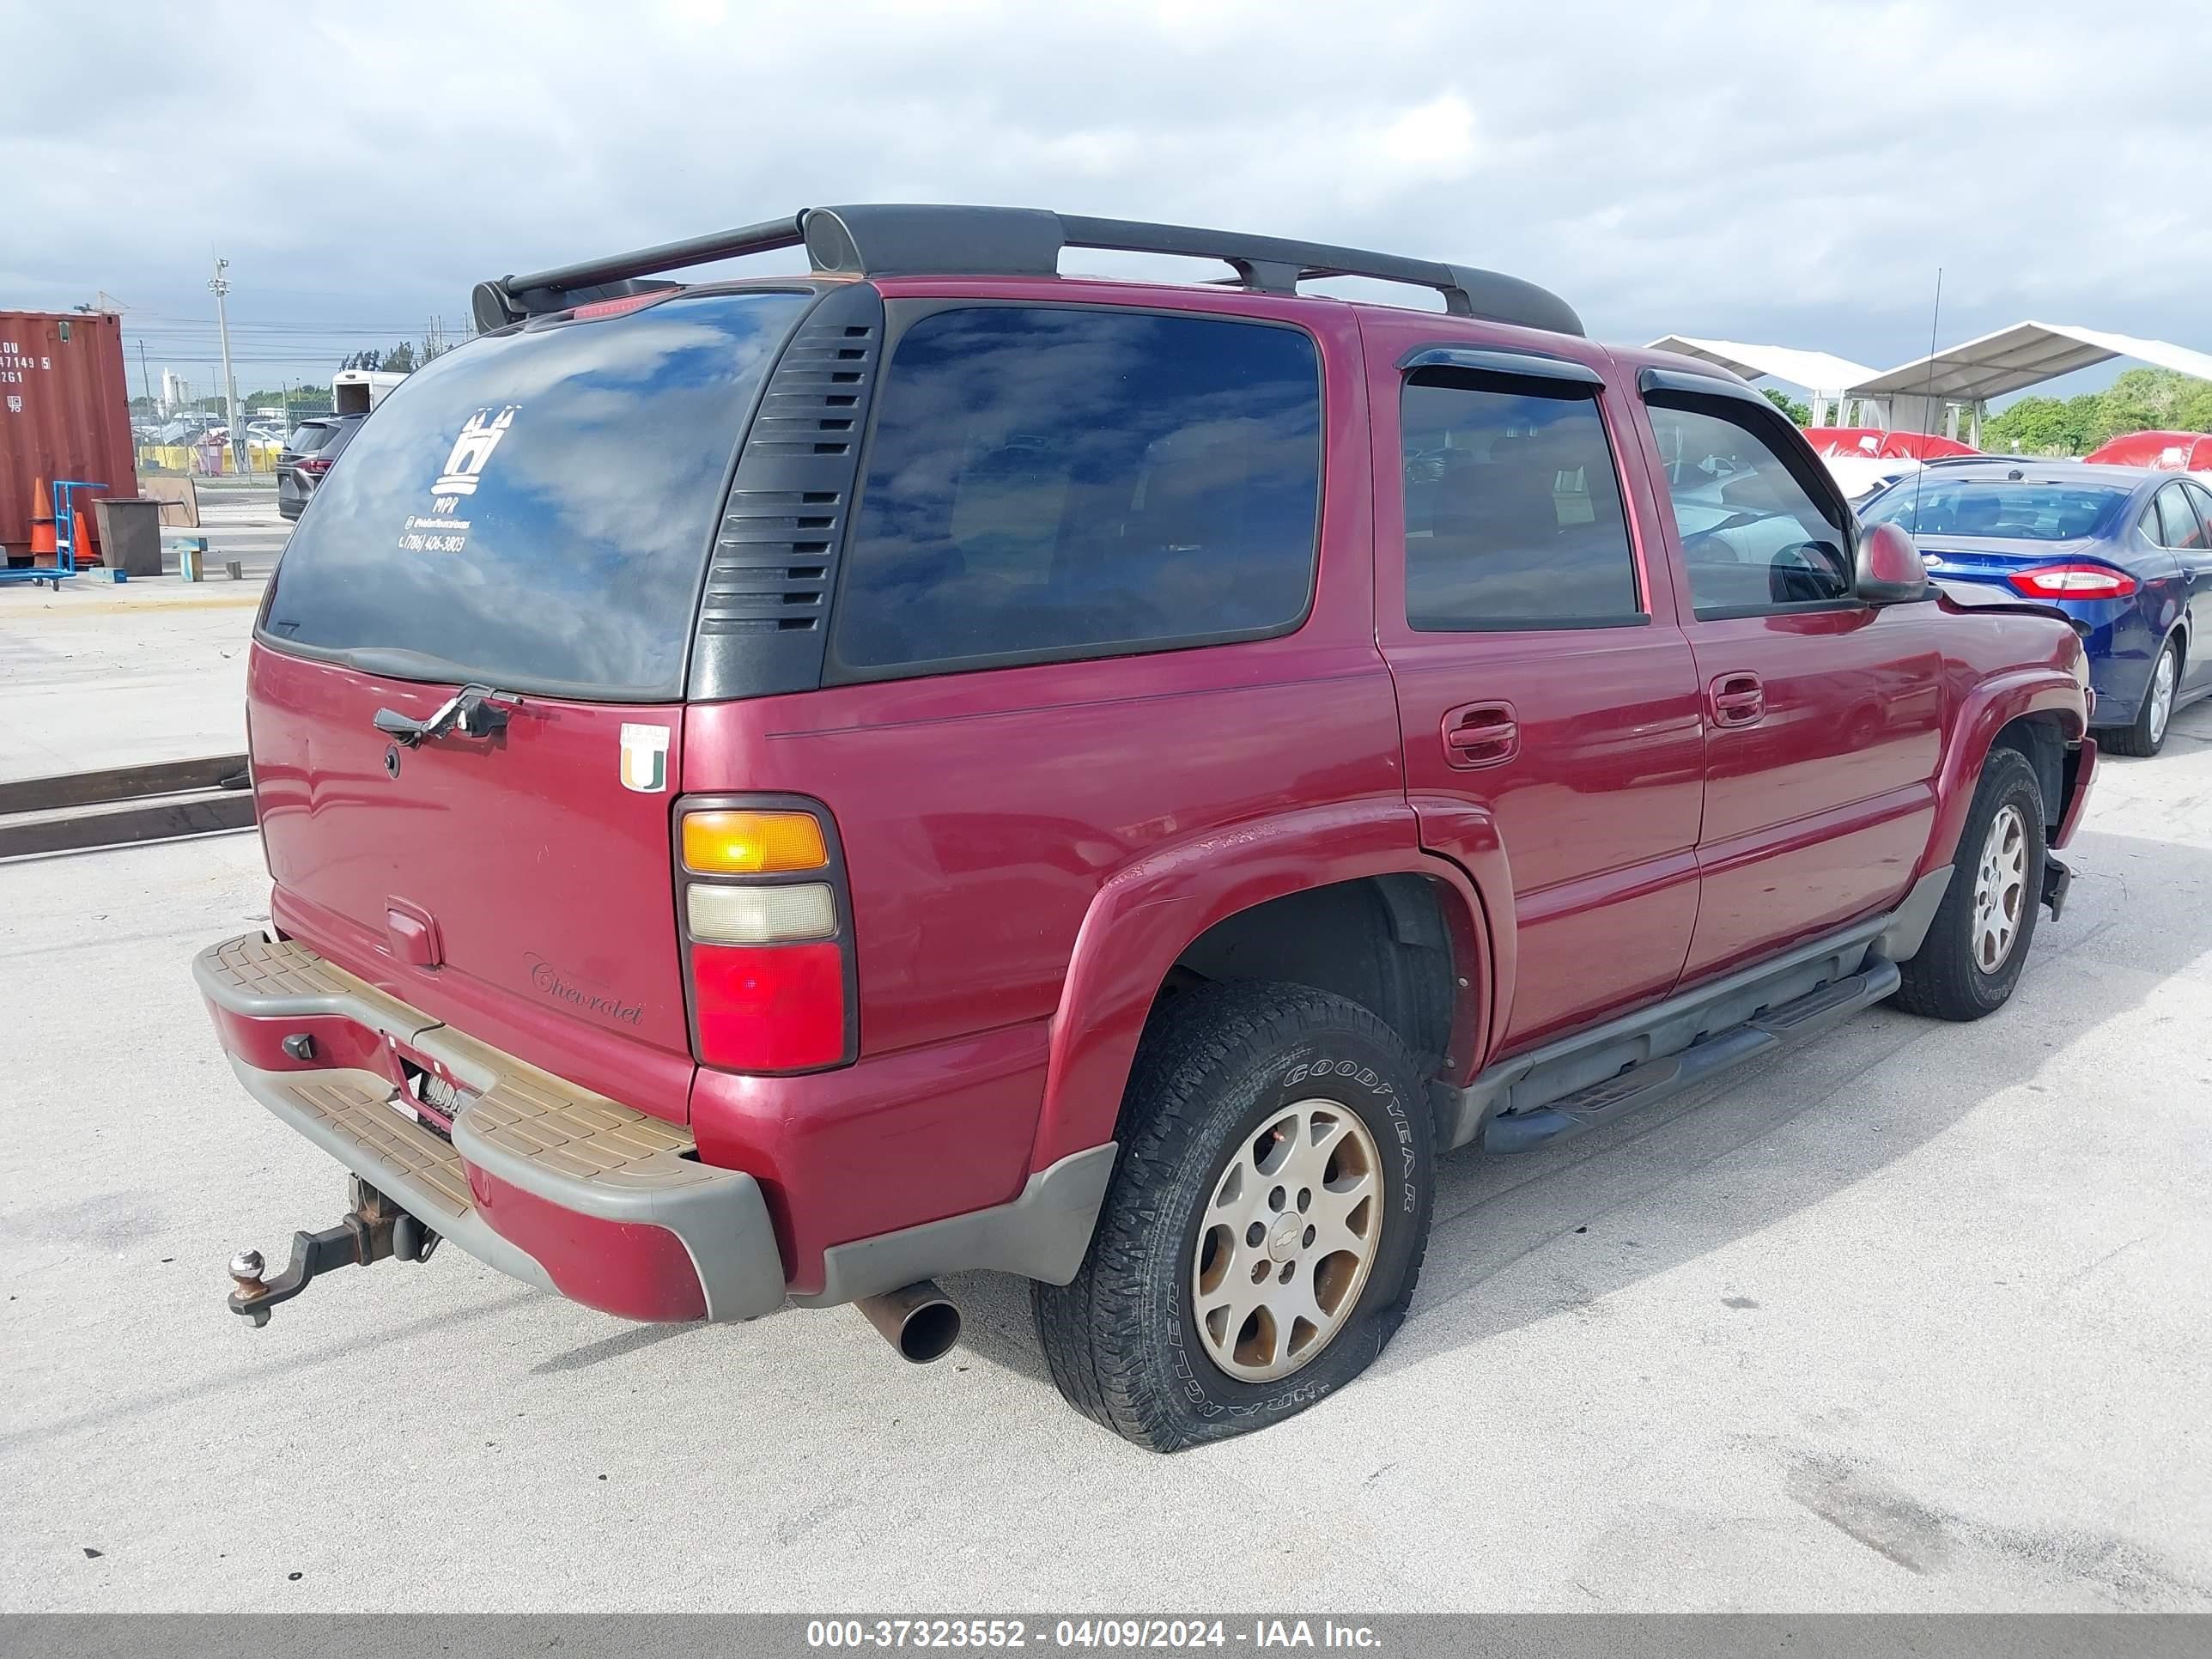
1261	1236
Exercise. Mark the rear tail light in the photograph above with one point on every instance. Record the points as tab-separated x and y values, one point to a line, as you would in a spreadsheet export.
317	464
2074	581
780	1009
767	937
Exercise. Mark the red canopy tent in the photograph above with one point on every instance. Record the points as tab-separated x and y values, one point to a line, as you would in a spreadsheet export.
1875	444
2169	452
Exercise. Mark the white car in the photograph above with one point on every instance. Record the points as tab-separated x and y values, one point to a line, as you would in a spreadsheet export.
1859	475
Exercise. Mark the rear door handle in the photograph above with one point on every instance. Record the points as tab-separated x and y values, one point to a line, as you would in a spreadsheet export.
1480	734
1737	699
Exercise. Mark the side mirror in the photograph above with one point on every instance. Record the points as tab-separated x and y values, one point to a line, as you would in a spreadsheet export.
1888	570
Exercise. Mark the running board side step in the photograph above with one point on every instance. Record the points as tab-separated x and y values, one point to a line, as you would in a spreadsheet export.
1656	1079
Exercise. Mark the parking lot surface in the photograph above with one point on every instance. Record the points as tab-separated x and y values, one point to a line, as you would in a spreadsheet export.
1912	1318
97	675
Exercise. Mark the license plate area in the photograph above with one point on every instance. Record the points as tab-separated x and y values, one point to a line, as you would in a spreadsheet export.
427	1094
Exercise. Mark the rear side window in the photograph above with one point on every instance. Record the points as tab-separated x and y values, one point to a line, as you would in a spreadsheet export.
1513	513
1754	537
2202	500
339	436
2178	526
534	510
1051	483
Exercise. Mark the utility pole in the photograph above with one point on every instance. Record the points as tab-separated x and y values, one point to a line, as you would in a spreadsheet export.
145	376
220	285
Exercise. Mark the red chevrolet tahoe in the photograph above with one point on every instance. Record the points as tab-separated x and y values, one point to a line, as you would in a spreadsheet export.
782	788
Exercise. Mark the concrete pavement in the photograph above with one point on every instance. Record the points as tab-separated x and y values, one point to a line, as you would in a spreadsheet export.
99	674
1913	1318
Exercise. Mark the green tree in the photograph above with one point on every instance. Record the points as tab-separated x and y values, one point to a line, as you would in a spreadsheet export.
2152	400
2142	399
2042	426
1789	405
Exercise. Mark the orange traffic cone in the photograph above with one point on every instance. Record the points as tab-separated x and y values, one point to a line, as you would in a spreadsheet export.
87	544
43	547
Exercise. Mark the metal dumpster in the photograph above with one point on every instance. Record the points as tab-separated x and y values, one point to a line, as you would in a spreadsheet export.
130	535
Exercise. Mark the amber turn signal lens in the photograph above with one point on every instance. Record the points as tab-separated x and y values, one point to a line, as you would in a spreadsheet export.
752	844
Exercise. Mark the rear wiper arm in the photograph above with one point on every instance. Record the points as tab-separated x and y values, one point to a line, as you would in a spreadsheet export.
472	711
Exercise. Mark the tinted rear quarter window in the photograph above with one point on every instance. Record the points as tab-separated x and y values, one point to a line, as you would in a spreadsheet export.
1513	511
308	437
534	510
1051	483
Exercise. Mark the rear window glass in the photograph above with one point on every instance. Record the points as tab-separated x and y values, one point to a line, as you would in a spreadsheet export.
1046	482
338	437
308	439
1999	509
534	509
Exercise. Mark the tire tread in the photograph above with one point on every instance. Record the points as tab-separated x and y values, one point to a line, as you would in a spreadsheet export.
1941	982
1095	1332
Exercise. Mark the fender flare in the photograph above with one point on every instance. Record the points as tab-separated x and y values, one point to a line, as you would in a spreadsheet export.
1147	913
1988	709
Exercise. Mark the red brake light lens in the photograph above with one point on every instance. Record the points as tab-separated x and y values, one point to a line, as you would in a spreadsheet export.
769	1008
2074	581
617	306
315	463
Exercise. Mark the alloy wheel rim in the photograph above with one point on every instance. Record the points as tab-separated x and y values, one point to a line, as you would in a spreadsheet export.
2000	889
1288	1237
2161	695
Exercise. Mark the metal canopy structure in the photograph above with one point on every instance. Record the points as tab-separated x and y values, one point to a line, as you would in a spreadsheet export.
1826	375
1816	371
1928	391
2020	356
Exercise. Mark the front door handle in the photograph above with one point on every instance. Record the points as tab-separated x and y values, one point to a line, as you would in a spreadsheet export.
1480	734
1737	700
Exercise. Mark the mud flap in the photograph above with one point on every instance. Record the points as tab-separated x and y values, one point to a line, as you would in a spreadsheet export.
2056	879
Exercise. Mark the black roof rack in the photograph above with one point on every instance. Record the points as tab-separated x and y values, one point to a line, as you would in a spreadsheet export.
885	240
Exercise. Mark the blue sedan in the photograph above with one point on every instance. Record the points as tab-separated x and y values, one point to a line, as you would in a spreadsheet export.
2125	551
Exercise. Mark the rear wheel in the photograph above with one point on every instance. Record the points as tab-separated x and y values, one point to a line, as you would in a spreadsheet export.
2147	735
1266	1223
1977	943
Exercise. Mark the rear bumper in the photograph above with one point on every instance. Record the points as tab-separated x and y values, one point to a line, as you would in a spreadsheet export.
548	1182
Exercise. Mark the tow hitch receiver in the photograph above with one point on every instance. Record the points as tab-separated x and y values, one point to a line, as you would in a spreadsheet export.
374	1229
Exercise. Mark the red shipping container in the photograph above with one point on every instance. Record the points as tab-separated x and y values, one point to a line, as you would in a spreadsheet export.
65	413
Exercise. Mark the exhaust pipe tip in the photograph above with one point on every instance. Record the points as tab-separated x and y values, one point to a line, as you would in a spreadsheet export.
919	1320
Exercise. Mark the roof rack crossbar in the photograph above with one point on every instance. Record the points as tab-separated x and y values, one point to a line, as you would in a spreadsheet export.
876	240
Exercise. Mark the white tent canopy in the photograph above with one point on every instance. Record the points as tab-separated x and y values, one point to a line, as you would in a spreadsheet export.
1913	397
1816	371
2021	356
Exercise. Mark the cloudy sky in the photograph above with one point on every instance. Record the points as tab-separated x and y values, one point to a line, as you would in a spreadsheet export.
1790	171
